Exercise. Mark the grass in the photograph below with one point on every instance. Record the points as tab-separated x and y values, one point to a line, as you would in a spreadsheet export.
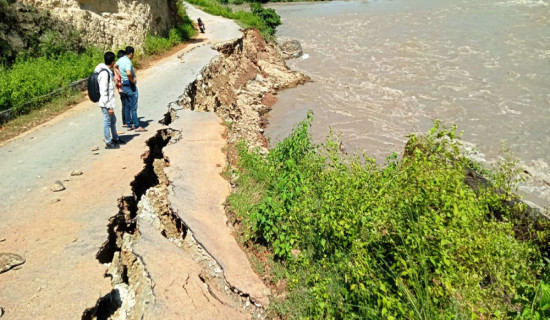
28	79
408	240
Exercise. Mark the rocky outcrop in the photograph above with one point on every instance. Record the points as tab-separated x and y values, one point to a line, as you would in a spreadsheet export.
291	49
24	28
240	86
113	23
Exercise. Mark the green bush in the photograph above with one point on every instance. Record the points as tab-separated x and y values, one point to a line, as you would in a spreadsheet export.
30	78
269	16
410	240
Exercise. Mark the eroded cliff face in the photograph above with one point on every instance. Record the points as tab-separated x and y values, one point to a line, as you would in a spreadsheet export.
241	86
113	23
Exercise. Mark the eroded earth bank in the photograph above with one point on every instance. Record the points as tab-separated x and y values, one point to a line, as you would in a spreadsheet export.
170	251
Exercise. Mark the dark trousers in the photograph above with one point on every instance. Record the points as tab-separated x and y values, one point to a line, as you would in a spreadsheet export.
123	102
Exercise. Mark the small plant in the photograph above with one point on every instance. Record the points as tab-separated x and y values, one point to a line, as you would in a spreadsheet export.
534	300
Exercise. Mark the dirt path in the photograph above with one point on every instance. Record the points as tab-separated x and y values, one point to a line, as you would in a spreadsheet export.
157	268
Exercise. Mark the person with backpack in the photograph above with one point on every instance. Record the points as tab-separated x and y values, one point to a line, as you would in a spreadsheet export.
105	84
118	85
129	89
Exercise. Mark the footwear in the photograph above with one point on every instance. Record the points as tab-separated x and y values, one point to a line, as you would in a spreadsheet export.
119	141
125	125
111	146
130	129
141	130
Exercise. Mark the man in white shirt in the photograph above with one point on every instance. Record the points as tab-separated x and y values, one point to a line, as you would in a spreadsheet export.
107	100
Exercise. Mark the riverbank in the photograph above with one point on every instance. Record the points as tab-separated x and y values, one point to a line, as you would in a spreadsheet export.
403	64
333	235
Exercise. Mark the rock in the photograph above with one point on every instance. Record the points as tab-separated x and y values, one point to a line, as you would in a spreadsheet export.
95	153
114	23
76	173
57	186
291	49
123	167
54	200
9	261
95	148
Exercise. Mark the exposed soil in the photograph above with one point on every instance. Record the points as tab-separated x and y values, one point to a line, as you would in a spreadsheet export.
240	86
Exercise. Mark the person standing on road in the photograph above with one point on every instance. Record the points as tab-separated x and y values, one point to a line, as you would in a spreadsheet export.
118	85
202	27
107	100
129	88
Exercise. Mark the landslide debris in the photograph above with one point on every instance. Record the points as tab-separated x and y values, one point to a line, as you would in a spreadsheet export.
241	85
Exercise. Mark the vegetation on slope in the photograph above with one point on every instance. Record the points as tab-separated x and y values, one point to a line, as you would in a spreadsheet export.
410	240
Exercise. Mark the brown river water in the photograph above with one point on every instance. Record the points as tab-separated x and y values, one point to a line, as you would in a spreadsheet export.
384	69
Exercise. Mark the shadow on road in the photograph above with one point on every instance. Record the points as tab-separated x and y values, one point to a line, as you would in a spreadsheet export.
144	123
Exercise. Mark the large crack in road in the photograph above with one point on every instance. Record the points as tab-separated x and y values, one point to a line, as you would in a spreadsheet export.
133	290
254	69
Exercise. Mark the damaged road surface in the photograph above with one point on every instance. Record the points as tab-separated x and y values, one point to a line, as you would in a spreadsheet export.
152	261
170	251
157	268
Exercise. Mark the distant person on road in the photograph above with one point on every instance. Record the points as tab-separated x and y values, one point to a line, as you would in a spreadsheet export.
202	27
118	85
106	101
129	88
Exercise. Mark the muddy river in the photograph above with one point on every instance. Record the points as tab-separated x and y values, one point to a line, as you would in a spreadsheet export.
383	69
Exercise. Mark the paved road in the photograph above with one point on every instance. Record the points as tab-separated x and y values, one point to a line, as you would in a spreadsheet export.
33	161
61	276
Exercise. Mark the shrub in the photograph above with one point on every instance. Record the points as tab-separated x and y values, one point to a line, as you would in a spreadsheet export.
29	78
410	240
269	16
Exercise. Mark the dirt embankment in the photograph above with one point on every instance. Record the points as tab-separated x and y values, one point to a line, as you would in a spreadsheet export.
241	86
